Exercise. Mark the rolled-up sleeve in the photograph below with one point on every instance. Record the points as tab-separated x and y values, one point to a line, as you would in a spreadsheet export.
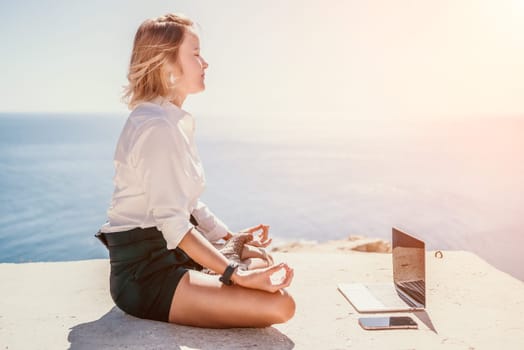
208	223
161	161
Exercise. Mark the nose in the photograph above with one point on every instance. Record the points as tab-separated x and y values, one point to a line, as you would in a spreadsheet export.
204	63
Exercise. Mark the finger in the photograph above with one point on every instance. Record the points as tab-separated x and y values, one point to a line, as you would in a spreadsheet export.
257	243
275	268
265	232
264	228
286	282
253	243
252	229
289	279
261	240
266	243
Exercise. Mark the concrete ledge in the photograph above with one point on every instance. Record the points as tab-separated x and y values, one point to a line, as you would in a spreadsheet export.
471	305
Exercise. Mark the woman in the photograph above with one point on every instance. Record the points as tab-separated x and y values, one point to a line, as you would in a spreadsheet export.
158	232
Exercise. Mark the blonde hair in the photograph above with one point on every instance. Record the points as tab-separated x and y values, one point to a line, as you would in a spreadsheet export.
157	42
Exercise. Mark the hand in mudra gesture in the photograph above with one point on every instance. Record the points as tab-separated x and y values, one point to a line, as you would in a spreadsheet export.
251	244
254	248
264	279
260	236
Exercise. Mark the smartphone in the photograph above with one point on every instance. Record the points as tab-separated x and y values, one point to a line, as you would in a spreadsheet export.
388	322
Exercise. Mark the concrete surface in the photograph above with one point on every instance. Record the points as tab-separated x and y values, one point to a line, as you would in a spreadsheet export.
67	305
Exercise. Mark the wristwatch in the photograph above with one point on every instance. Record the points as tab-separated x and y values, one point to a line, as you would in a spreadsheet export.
228	272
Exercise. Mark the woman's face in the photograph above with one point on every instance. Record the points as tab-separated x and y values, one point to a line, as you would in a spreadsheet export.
193	66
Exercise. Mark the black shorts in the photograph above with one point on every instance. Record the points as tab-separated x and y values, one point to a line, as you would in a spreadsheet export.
144	273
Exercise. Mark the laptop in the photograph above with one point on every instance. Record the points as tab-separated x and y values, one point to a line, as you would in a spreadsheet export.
407	292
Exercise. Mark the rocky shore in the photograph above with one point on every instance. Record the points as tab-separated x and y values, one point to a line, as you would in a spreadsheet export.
352	243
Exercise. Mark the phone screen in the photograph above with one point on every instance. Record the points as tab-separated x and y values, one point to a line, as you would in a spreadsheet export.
391	322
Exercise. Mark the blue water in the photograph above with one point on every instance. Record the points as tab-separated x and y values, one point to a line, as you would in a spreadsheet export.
456	184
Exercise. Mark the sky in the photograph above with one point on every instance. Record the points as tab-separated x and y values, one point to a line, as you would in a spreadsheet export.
302	59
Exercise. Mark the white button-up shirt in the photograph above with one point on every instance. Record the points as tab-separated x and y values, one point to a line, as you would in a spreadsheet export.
159	176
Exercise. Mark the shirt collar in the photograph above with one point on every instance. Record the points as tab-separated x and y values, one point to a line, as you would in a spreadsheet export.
164	102
188	122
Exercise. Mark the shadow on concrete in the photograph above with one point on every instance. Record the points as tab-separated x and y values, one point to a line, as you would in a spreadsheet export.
117	330
424	317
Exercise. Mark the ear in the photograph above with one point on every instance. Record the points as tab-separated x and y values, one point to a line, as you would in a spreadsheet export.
170	69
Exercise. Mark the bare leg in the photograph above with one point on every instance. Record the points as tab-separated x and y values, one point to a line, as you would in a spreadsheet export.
202	300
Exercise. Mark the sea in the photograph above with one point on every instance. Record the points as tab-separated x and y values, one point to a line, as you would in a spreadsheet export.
458	183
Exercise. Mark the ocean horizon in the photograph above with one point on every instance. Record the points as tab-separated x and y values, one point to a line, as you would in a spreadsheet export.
457	184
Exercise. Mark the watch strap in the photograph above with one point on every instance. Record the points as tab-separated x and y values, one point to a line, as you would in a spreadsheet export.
228	272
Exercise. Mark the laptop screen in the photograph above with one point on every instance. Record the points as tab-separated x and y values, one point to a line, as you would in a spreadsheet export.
409	268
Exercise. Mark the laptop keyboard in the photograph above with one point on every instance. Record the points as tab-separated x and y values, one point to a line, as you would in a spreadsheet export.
375	297
415	289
